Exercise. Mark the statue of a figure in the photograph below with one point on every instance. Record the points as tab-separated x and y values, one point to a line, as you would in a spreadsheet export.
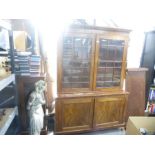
34	107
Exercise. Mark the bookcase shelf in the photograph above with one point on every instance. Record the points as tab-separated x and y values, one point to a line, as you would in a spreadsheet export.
8	94
7	119
6	80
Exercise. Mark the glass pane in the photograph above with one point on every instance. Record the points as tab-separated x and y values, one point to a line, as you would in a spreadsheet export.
68	40
101	71
118	64
111	55
117	76
99	85
103	54
109	63
103	42
66	85
75	84
81	53
117	72
116	42
80	85
119	53
67	47
116	83
102	63
82	42
76	64
108	83
109	74
67	54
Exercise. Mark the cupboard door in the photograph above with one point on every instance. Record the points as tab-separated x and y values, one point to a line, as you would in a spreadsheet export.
109	111
76	69
110	62
74	115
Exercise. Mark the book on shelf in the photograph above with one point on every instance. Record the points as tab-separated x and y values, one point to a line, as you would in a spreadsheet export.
35	67
27	63
24	68
4	53
22	59
23	53
35	55
24	74
23	71
34	63
35	58
20	63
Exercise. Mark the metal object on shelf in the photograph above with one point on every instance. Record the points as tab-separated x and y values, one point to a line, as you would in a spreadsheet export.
2	113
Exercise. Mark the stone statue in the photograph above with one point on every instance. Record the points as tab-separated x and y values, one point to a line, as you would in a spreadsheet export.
34	107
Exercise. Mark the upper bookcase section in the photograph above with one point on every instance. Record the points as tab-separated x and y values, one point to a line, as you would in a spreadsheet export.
92	58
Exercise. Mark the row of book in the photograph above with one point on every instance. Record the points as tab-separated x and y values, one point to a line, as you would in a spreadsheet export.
27	64
151	100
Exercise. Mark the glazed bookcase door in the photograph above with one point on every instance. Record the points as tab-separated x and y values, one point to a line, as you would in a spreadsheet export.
77	55
110	62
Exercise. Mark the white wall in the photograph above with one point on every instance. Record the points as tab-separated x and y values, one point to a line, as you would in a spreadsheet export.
135	49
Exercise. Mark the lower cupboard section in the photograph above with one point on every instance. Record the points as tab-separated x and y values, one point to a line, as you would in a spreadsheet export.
81	114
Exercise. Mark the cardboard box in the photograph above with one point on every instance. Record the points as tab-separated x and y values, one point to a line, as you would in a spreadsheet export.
135	123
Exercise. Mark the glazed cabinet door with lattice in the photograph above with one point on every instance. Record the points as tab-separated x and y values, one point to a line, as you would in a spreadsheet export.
75	62
110	62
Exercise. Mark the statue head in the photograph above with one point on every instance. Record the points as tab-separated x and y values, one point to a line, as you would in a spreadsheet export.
40	86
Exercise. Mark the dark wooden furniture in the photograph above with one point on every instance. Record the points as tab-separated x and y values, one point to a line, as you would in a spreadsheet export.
25	87
148	59
135	85
91	71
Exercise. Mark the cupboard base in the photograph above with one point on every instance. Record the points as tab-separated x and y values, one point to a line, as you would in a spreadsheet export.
93	130
90	113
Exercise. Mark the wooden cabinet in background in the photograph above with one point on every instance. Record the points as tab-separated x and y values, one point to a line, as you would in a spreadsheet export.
136	85
91	66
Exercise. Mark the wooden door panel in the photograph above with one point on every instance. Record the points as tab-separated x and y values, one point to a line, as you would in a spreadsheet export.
110	61
135	84
76	114
108	111
76	57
